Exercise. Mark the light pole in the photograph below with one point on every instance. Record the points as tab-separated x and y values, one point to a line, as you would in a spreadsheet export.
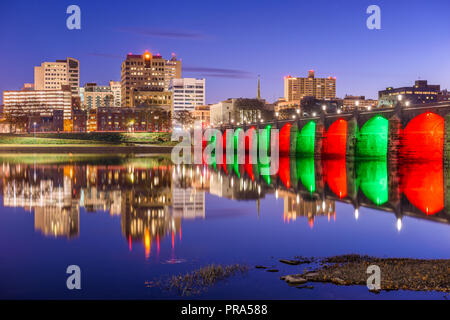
34	125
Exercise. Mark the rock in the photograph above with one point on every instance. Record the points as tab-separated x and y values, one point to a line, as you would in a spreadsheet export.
295	279
260	267
290	262
338	281
272	270
311	275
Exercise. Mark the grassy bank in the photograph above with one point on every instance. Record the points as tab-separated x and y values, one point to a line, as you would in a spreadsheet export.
86	139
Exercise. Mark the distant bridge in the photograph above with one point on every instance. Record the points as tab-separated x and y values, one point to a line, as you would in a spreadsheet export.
419	131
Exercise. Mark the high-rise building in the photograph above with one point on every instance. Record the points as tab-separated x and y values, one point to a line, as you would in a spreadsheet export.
97	96
146	72
320	88
187	93
53	75
172	71
116	91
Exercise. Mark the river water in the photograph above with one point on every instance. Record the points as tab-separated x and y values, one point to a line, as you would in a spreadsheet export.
126	221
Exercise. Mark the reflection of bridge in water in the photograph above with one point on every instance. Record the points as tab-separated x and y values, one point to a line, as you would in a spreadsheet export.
416	189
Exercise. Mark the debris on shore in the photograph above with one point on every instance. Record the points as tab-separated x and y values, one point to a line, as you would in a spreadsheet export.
199	280
396	273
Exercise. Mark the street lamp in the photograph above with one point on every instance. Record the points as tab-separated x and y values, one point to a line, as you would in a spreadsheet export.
400	97
276	114
34	125
407	103
324	107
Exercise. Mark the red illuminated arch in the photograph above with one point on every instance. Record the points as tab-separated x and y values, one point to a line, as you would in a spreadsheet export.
423	137
285	139
335	142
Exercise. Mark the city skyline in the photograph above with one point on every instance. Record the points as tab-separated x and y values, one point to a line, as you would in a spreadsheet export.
385	57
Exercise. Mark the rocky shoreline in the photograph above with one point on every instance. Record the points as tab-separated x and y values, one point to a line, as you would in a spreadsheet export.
396	273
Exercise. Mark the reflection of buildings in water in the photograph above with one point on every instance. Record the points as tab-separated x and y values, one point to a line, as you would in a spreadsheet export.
56	221
296	206
235	188
94	200
55	213
188	203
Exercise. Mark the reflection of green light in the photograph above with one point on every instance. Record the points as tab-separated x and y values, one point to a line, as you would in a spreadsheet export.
373	180
305	169
262	164
373	138
306	139
236	166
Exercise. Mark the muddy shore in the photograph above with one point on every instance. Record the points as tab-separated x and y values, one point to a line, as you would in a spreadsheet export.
396	273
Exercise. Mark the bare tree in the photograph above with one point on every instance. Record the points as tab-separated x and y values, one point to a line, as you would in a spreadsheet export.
184	118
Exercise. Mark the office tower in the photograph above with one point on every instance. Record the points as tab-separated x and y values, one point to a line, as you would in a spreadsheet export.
320	88
172	71
187	93
146	73
116	91
97	96
53	75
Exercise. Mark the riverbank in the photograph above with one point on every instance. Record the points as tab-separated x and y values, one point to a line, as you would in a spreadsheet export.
396	273
92	142
114	138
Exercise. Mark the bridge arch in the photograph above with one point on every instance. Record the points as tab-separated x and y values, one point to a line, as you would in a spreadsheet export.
335	139
306	139
373	137
285	139
264	143
423	137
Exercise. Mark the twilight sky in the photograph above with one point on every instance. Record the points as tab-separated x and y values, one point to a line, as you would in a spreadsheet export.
231	42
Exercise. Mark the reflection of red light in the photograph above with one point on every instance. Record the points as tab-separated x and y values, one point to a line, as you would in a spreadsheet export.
249	167
284	171
423	137
335	175
335	142
285	138
423	185
311	222
129	242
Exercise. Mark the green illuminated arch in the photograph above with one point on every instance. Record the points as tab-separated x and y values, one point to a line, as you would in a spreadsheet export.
266	132
373	138
306	139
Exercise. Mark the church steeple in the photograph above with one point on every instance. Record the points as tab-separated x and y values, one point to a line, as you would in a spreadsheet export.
259	88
